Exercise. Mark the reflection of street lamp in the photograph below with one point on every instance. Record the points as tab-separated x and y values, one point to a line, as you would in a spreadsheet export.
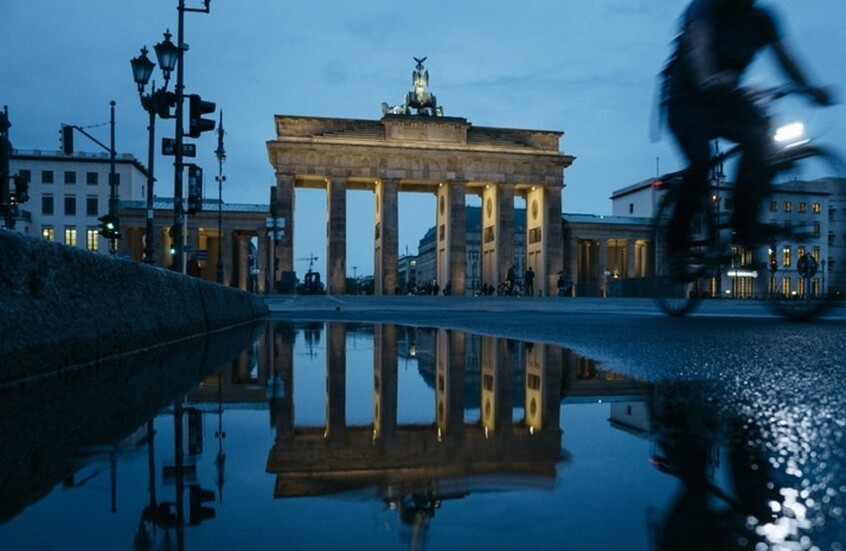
156	102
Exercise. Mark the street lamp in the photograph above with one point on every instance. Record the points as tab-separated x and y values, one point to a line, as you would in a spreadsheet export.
156	102
221	156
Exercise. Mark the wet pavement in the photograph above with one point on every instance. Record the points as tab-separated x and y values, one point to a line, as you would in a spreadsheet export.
434	423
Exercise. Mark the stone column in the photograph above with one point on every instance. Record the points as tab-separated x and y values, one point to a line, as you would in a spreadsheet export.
497	385
451	236
336	382
386	244
553	242
630	258
497	232
385	381
265	261
573	262
603	265
336	240
284	209
449	382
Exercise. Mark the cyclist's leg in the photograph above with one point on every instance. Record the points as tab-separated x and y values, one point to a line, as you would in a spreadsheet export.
691	124
744	123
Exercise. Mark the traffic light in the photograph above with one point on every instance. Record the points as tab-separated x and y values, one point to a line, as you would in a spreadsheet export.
67	139
164	101
195	189
109	226
197	512
196	109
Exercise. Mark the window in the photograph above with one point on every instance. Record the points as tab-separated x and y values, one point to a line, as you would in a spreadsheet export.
785	257
70	205
26	175
92	178
46	204
785	286
773	206
70	237
816	254
48	233
816	208
729	204
92	241
46	176
803	207
70	177
800	252
631	208
788	206
816	229
91	206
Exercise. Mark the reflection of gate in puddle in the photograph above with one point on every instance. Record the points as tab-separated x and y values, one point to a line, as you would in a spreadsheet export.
514	388
337	457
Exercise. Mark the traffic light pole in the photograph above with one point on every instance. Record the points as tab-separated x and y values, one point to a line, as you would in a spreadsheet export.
113	177
178	210
113	184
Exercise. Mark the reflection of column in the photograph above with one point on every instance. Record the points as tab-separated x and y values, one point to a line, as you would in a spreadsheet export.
543	369
336	246
497	398
386	239
282	380
285	209
384	381
449	382
336	378
451	235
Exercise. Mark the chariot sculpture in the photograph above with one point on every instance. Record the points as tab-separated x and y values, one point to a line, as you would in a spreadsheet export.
419	99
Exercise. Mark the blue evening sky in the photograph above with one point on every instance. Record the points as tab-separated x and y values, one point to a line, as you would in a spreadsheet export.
587	68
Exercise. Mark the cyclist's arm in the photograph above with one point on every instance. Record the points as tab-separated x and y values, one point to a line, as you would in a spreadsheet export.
791	67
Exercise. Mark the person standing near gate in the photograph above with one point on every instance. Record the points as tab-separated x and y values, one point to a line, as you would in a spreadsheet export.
530	282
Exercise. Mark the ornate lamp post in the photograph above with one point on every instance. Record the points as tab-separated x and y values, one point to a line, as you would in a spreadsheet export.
220	178
156	102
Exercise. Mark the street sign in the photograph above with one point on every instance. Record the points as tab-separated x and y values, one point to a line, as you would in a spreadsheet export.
125	255
169	148
277	235
274	223
201	255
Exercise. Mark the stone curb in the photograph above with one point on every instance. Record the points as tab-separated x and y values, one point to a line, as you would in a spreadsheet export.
62	306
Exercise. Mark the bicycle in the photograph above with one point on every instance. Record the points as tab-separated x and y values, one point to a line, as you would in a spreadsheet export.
679	281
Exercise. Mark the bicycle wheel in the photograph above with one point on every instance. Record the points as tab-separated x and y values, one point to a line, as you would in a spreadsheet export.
677	272
800	292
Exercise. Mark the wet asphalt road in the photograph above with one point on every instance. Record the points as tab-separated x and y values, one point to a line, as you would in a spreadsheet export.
786	379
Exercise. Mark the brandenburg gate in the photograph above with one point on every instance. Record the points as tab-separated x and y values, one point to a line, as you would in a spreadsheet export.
424	152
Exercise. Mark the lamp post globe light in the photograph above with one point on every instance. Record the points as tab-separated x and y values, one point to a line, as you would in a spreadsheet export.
157	102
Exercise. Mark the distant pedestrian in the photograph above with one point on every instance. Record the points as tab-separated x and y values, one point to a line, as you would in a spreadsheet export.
435	287
511	279
530	282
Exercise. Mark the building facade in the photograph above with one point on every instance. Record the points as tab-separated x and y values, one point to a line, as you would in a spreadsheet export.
68	193
815	208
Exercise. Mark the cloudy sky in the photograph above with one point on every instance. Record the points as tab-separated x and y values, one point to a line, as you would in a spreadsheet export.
584	67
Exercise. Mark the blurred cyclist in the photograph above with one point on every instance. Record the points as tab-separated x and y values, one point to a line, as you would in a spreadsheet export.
717	42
